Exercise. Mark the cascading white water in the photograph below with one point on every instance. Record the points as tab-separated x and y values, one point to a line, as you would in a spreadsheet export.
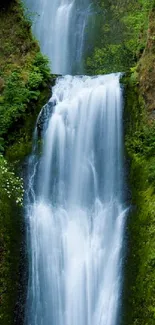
60	26
75	208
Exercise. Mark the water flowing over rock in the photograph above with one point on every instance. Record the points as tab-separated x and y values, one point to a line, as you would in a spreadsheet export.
75	210
60	26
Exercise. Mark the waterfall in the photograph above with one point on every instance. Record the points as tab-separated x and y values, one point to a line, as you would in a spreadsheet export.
60	26
75	208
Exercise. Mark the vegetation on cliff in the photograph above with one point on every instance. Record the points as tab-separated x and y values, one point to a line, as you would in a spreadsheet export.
24	80
125	40
11	198
139	294
121	32
24	72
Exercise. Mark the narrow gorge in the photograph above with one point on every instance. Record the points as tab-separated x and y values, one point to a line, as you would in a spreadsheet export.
77	197
75	210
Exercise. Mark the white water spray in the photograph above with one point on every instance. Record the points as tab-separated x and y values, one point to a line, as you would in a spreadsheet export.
75	207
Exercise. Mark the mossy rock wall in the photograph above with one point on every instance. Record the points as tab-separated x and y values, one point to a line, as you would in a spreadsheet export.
25	86
120	35
139	286
139	125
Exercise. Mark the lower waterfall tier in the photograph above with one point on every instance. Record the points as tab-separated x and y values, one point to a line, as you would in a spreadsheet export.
75	208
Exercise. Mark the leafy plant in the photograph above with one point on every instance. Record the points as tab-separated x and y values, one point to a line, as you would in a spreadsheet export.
11	185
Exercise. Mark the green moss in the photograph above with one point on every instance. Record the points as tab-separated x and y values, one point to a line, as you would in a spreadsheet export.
24	72
121	35
24	88
139	292
11	196
24	79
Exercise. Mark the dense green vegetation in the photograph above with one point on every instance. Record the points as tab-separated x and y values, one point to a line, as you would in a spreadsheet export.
11	198
121	33
24	80
124	40
24	72
139	294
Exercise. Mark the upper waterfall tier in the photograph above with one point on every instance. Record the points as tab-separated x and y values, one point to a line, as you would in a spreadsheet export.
60	27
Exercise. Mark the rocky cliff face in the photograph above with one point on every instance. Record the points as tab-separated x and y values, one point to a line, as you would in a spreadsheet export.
126	42
139	294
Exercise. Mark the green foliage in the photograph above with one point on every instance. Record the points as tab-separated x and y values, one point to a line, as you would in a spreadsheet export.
121	29
106	60
24	79
11	185
151	171
19	92
39	73
143	142
24	72
11	198
42	63
139	289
